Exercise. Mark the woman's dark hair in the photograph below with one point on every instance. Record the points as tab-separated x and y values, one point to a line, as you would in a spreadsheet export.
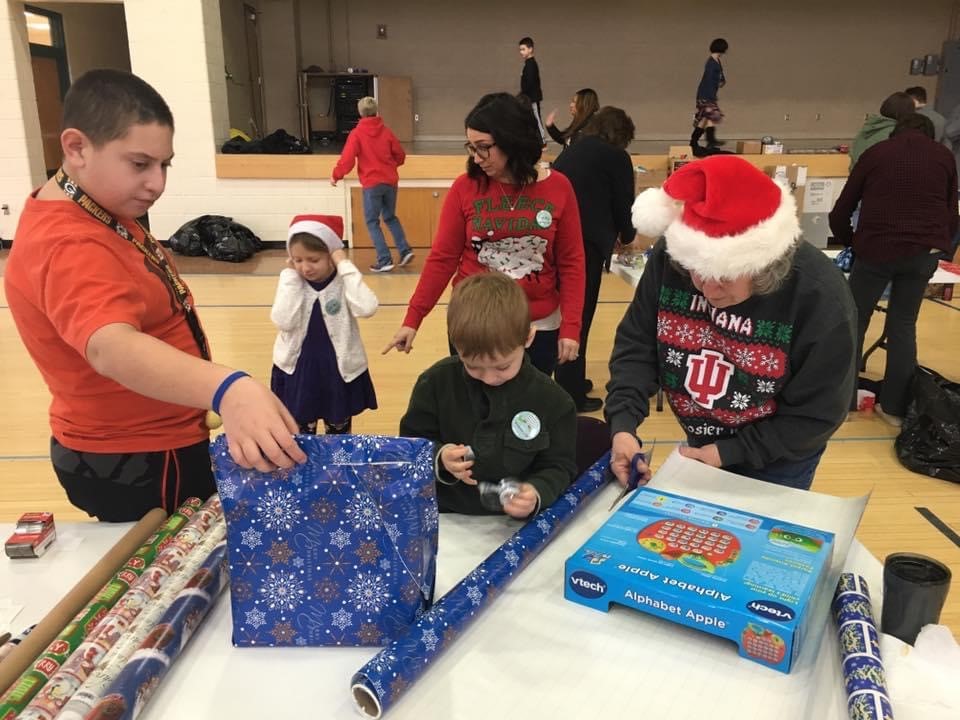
915	121
719	46
585	104
897	106
612	125
515	132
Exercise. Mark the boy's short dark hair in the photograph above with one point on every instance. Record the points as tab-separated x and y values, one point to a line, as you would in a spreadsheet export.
514	130
105	104
918	93
488	315
719	46
310	242
914	121
897	106
612	125
526	40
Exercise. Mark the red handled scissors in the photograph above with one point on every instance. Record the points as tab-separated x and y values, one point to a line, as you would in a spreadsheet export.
634	478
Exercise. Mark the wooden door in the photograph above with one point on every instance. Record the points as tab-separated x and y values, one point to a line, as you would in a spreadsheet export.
395	99
46	83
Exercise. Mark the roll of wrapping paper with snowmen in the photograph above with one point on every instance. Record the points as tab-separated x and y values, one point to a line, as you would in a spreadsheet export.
382	681
146	668
863	675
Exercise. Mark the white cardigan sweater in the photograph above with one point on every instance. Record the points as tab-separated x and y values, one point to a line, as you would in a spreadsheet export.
345	299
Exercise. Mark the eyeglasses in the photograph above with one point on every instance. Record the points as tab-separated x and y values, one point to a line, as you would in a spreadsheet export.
481	151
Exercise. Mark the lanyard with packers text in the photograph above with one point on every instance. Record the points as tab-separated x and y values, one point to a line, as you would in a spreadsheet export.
150	249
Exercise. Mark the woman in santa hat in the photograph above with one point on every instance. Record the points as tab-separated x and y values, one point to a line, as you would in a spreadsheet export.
749	330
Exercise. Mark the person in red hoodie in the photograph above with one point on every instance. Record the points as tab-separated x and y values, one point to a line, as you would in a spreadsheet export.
377	153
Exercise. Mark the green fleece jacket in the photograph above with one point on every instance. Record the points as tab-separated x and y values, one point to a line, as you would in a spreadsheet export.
876	128
525	428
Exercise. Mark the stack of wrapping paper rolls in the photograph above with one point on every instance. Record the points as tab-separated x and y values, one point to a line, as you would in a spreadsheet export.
119	644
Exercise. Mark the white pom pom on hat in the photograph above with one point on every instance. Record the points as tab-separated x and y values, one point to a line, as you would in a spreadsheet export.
721	217
326	228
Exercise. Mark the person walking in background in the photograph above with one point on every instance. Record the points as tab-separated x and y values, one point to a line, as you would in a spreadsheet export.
708	114
907	190
319	365
378	154
583	106
601	173
530	82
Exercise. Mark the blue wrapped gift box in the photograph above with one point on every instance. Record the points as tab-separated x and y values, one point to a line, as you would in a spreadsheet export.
338	551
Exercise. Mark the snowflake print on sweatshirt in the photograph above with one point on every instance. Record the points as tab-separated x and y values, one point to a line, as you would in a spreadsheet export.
722	369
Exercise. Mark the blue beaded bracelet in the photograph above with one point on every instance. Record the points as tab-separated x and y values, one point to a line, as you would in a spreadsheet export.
224	386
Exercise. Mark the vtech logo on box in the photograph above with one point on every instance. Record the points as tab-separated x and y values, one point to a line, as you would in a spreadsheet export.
587	585
770	609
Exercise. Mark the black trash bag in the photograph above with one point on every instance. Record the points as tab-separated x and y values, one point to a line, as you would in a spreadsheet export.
217	236
929	441
279	142
187	240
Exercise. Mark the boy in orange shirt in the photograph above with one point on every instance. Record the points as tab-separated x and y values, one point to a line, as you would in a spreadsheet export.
111	326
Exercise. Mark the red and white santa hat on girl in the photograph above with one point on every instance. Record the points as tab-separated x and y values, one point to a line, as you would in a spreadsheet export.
721	217
327	228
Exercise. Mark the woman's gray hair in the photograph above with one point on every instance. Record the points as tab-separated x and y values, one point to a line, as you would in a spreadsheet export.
772	277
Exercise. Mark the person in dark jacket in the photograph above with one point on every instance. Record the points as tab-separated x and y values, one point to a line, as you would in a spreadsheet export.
601	173
907	190
708	114
583	107
530	82
378	154
749	331
491	414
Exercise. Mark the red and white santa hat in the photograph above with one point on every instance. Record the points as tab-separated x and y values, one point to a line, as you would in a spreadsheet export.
327	228
721	217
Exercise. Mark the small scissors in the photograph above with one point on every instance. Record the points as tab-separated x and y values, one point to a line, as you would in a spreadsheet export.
634	478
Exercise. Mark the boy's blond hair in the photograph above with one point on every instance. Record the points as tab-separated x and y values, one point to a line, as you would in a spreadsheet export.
367	106
488	315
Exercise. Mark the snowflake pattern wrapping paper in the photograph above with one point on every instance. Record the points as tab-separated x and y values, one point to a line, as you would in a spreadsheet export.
338	551
863	675
382	681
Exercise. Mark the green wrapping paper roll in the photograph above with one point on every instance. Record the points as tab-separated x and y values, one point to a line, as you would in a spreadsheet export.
74	671
16	699
87	695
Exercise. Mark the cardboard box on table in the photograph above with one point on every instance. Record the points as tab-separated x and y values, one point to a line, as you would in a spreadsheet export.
749	147
742	576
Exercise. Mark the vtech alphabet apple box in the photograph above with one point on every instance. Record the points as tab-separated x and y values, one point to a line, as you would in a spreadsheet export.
744	577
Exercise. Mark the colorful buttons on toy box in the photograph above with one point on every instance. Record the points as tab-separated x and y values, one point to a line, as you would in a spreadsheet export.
340	550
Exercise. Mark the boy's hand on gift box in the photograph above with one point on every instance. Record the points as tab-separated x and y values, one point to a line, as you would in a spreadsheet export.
523	503
708	454
452	458
259	428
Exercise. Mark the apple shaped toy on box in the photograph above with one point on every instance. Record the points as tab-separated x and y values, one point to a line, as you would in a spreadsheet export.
747	578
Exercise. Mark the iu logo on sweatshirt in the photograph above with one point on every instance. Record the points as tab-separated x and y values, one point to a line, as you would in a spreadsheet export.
708	376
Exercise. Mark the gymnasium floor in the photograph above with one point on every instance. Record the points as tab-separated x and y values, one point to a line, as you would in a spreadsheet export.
234	302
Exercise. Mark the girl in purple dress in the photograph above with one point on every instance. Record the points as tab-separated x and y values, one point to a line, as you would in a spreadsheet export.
319	365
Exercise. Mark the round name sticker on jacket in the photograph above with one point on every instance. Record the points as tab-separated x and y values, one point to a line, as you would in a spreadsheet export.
544	218
332	307
525	425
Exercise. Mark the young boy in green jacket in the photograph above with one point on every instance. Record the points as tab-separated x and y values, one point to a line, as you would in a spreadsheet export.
492	415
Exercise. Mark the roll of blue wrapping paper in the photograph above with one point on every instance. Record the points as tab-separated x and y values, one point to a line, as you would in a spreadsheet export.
863	675
382	681
136	683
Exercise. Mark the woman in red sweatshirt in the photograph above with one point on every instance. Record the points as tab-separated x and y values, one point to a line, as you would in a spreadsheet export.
506	214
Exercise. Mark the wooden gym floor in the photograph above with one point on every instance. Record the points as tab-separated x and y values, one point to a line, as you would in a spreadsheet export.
234	302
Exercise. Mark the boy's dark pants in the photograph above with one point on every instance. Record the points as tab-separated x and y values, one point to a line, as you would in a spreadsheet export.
123	487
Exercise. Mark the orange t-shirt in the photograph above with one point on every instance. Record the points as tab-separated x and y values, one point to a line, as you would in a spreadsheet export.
67	276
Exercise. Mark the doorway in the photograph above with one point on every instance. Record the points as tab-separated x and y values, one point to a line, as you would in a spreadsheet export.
51	77
255	69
